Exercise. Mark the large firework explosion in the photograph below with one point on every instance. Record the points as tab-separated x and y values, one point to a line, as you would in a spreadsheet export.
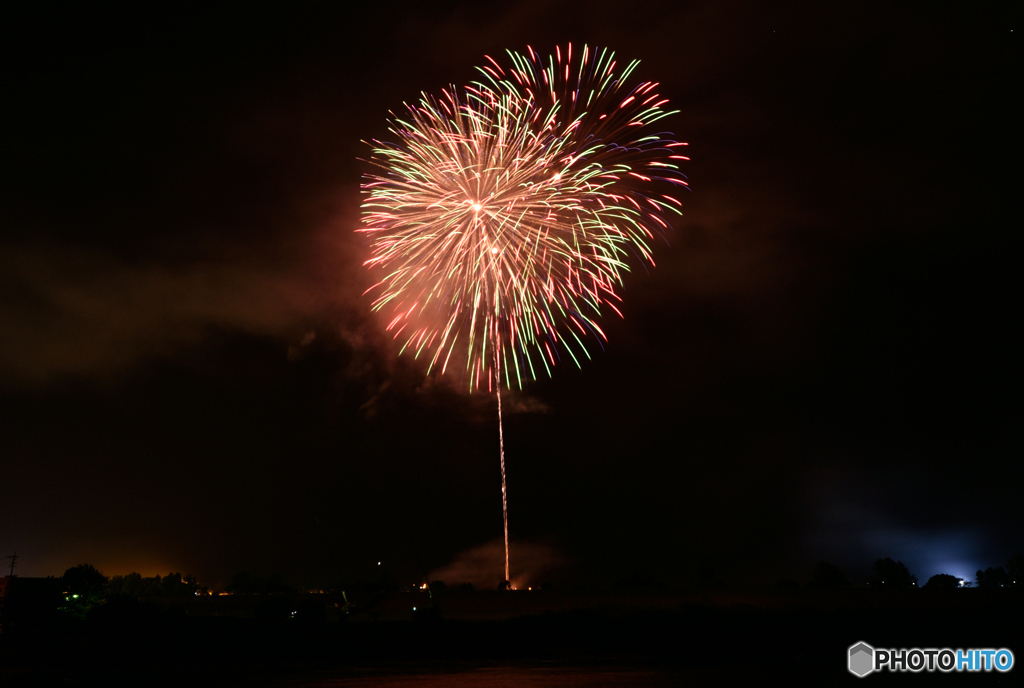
506	212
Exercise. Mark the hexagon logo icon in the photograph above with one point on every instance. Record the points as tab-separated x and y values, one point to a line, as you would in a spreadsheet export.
862	659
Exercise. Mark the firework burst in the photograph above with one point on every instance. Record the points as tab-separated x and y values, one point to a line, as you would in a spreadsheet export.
505	213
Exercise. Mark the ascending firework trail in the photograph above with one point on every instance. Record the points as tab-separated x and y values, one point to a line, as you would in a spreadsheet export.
501	445
504	213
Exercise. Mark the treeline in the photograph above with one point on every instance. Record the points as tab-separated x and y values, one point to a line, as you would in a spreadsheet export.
91	586
85	581
84	589
171	585
893	575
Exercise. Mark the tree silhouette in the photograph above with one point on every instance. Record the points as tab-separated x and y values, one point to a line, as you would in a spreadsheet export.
1015	570
993	578
891	575
173	585
942	581
83	589
130	585
84	579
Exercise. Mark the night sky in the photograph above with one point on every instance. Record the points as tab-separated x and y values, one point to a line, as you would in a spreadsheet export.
823	364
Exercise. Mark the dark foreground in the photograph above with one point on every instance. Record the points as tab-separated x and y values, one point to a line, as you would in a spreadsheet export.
662	638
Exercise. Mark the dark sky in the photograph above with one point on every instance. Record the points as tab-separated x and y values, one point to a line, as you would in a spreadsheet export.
823	364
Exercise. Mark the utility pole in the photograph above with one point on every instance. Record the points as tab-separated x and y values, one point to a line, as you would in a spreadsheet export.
14	561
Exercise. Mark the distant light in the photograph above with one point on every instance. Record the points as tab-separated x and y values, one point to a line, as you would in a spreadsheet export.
494	250
414	608
476	207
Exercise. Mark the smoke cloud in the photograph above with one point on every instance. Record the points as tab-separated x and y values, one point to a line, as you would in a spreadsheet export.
532	563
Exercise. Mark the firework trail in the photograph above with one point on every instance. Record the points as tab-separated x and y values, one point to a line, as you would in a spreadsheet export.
505	213
501	444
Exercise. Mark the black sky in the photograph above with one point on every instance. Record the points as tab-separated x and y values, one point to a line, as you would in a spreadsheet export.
823	364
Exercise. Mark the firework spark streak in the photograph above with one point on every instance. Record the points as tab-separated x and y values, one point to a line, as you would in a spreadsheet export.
505	213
